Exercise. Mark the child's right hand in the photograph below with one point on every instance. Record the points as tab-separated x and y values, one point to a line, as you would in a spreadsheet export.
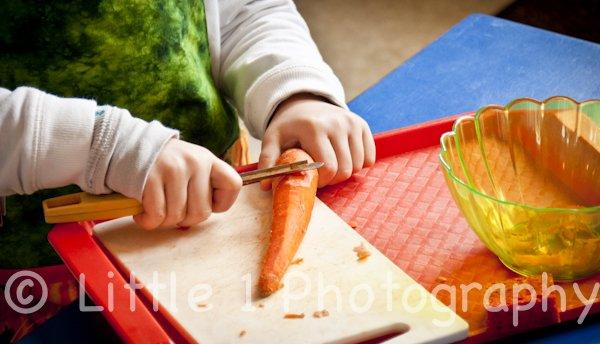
186	184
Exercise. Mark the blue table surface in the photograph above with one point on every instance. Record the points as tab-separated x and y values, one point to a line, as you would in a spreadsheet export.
481	60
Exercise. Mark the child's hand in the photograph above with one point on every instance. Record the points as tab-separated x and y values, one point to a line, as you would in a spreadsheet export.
186	184
327	132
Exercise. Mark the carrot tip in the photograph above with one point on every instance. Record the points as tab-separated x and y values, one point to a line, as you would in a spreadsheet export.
268	284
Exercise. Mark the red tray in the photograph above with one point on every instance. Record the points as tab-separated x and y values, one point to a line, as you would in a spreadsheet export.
401	205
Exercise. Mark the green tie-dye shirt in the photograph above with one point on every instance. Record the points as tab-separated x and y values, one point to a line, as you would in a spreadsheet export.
148	56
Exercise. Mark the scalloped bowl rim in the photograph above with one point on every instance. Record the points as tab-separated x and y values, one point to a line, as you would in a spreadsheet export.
449	170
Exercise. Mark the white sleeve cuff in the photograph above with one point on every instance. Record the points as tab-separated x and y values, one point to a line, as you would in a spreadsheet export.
285	80
123	151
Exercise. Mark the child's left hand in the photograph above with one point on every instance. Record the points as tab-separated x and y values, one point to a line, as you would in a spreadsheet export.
327	132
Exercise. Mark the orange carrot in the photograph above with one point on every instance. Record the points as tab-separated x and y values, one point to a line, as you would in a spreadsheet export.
293	200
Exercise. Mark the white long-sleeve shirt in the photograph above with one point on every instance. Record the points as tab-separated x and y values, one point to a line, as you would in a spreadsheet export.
261	53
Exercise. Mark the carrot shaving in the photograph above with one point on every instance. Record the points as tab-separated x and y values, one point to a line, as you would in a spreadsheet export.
321	314
361	252
294	316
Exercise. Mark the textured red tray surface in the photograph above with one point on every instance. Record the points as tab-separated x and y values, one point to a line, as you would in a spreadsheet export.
403	207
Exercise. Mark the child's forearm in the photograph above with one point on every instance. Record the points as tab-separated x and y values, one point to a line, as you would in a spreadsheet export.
47	142
44	141
266	55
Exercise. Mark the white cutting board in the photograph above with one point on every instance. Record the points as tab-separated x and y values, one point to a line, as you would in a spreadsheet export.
227	249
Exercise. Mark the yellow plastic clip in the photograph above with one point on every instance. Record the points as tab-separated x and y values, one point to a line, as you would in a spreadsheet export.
85	207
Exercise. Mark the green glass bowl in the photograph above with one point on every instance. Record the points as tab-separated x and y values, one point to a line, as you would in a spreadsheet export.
527	178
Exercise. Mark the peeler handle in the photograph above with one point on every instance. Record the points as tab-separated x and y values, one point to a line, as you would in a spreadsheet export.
86	207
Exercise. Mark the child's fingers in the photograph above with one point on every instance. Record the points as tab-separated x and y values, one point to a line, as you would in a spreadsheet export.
344	158
176	199
321	150
369	144
226	184
269	153
153	201
357	149
199	201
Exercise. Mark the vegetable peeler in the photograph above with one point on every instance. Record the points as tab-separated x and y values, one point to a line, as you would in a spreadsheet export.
87	207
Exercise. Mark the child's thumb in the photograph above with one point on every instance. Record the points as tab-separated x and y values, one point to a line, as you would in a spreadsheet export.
269	153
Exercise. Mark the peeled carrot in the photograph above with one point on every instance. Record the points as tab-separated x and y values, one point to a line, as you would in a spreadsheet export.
293	200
